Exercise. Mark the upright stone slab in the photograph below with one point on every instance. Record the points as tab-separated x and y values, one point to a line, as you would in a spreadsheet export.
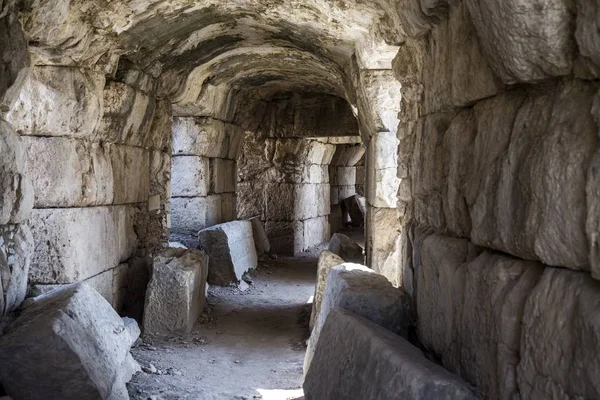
356	207
69	344
366	293
231	251
327	260
346	248
176	292
261	241
357	359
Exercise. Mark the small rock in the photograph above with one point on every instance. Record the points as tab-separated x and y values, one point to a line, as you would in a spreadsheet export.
237	361
243	286
150	369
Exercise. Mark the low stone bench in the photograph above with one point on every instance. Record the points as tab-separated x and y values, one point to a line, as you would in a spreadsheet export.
176	292
366	293
231	251
346	248
68	344
327	260
357	359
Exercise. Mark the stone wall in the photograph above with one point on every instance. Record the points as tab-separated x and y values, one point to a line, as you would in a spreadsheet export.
204	173
345	176
497	164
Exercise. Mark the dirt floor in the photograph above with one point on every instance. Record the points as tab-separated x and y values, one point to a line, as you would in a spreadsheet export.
247	345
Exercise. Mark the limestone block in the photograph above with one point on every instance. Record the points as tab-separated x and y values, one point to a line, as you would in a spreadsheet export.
348	155
380	95
320	153
16	60
119	286
231	251
587	36
382	170
103	284
327	260
59	101
16	191
214	210
206	137
346	248
314	173
345	192
223	175
261	241
547	48
251	199
383	245
228	206
559	338
190	176
366	293
131	174
323	196
286	238
391	368
360	175
356	206
178	283
69	344
346	176
316	231
161	130
16	247
280	200
188	215
74	244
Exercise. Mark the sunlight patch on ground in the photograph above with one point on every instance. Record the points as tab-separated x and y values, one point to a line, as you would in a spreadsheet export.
280	394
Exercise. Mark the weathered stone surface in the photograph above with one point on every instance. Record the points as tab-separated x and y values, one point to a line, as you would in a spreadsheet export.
346	176
383	245
285	237
70	344
14	66
327	260
190	176
231	251
206	137
382	166
316	232
587	36
547	49
16	192
365	293
346	248
188	215
178	283
261	241
74	244
16	246
357	359
356	207
59	101
222	175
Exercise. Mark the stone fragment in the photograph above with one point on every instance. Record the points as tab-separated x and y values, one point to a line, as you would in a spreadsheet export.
327	260
357	359
231	251
16	247
559	337
366	293
356	207
261	241
69	344
346	248
178	283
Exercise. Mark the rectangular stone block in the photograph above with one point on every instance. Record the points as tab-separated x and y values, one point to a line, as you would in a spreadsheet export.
206	137
348	155
313	173
231	251
188	215
286	238
320	153
74	244
346	176
392	368
131	173
327	260
316	232
382	165
345	192
103	284
261	241
190	176
223	175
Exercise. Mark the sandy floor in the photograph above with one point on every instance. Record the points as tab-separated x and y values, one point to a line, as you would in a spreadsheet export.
250	345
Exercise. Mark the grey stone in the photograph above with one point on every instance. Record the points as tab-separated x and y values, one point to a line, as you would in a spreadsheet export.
15	62
357	359
231	251
346	248
327	260
178	283
261	241
18	241
69	344
356	206
190	176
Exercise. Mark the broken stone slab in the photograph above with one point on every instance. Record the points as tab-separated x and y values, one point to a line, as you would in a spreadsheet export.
356	206
178	283
231	250
261	240
327	260
366	293
69	344
346	248
357	359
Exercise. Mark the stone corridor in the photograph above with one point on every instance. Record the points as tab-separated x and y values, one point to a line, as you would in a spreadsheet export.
439	160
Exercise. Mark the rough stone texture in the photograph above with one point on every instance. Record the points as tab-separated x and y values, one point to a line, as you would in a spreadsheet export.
206	137
382	166
327	260
16	246
587	36
357	359
70	344
191	215
190	176
560	327
364	292
14	65
346	248
383	247
73	244
178	283
231	251
261	241
356	208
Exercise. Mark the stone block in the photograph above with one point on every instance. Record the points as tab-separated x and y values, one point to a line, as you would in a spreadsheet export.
223	175
69	344
345	192
383	242
103	284
280	201
261	241
382	169
327	260
356	207
366	293
16	61
316	232
120	285
588	38
74	244
346	248
16	247
560	333
59	101
250	200
188	215
346	176
314	173
286	238
320	153
206	137
231	251
190	176
131	173
178	283
348	155
357	359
